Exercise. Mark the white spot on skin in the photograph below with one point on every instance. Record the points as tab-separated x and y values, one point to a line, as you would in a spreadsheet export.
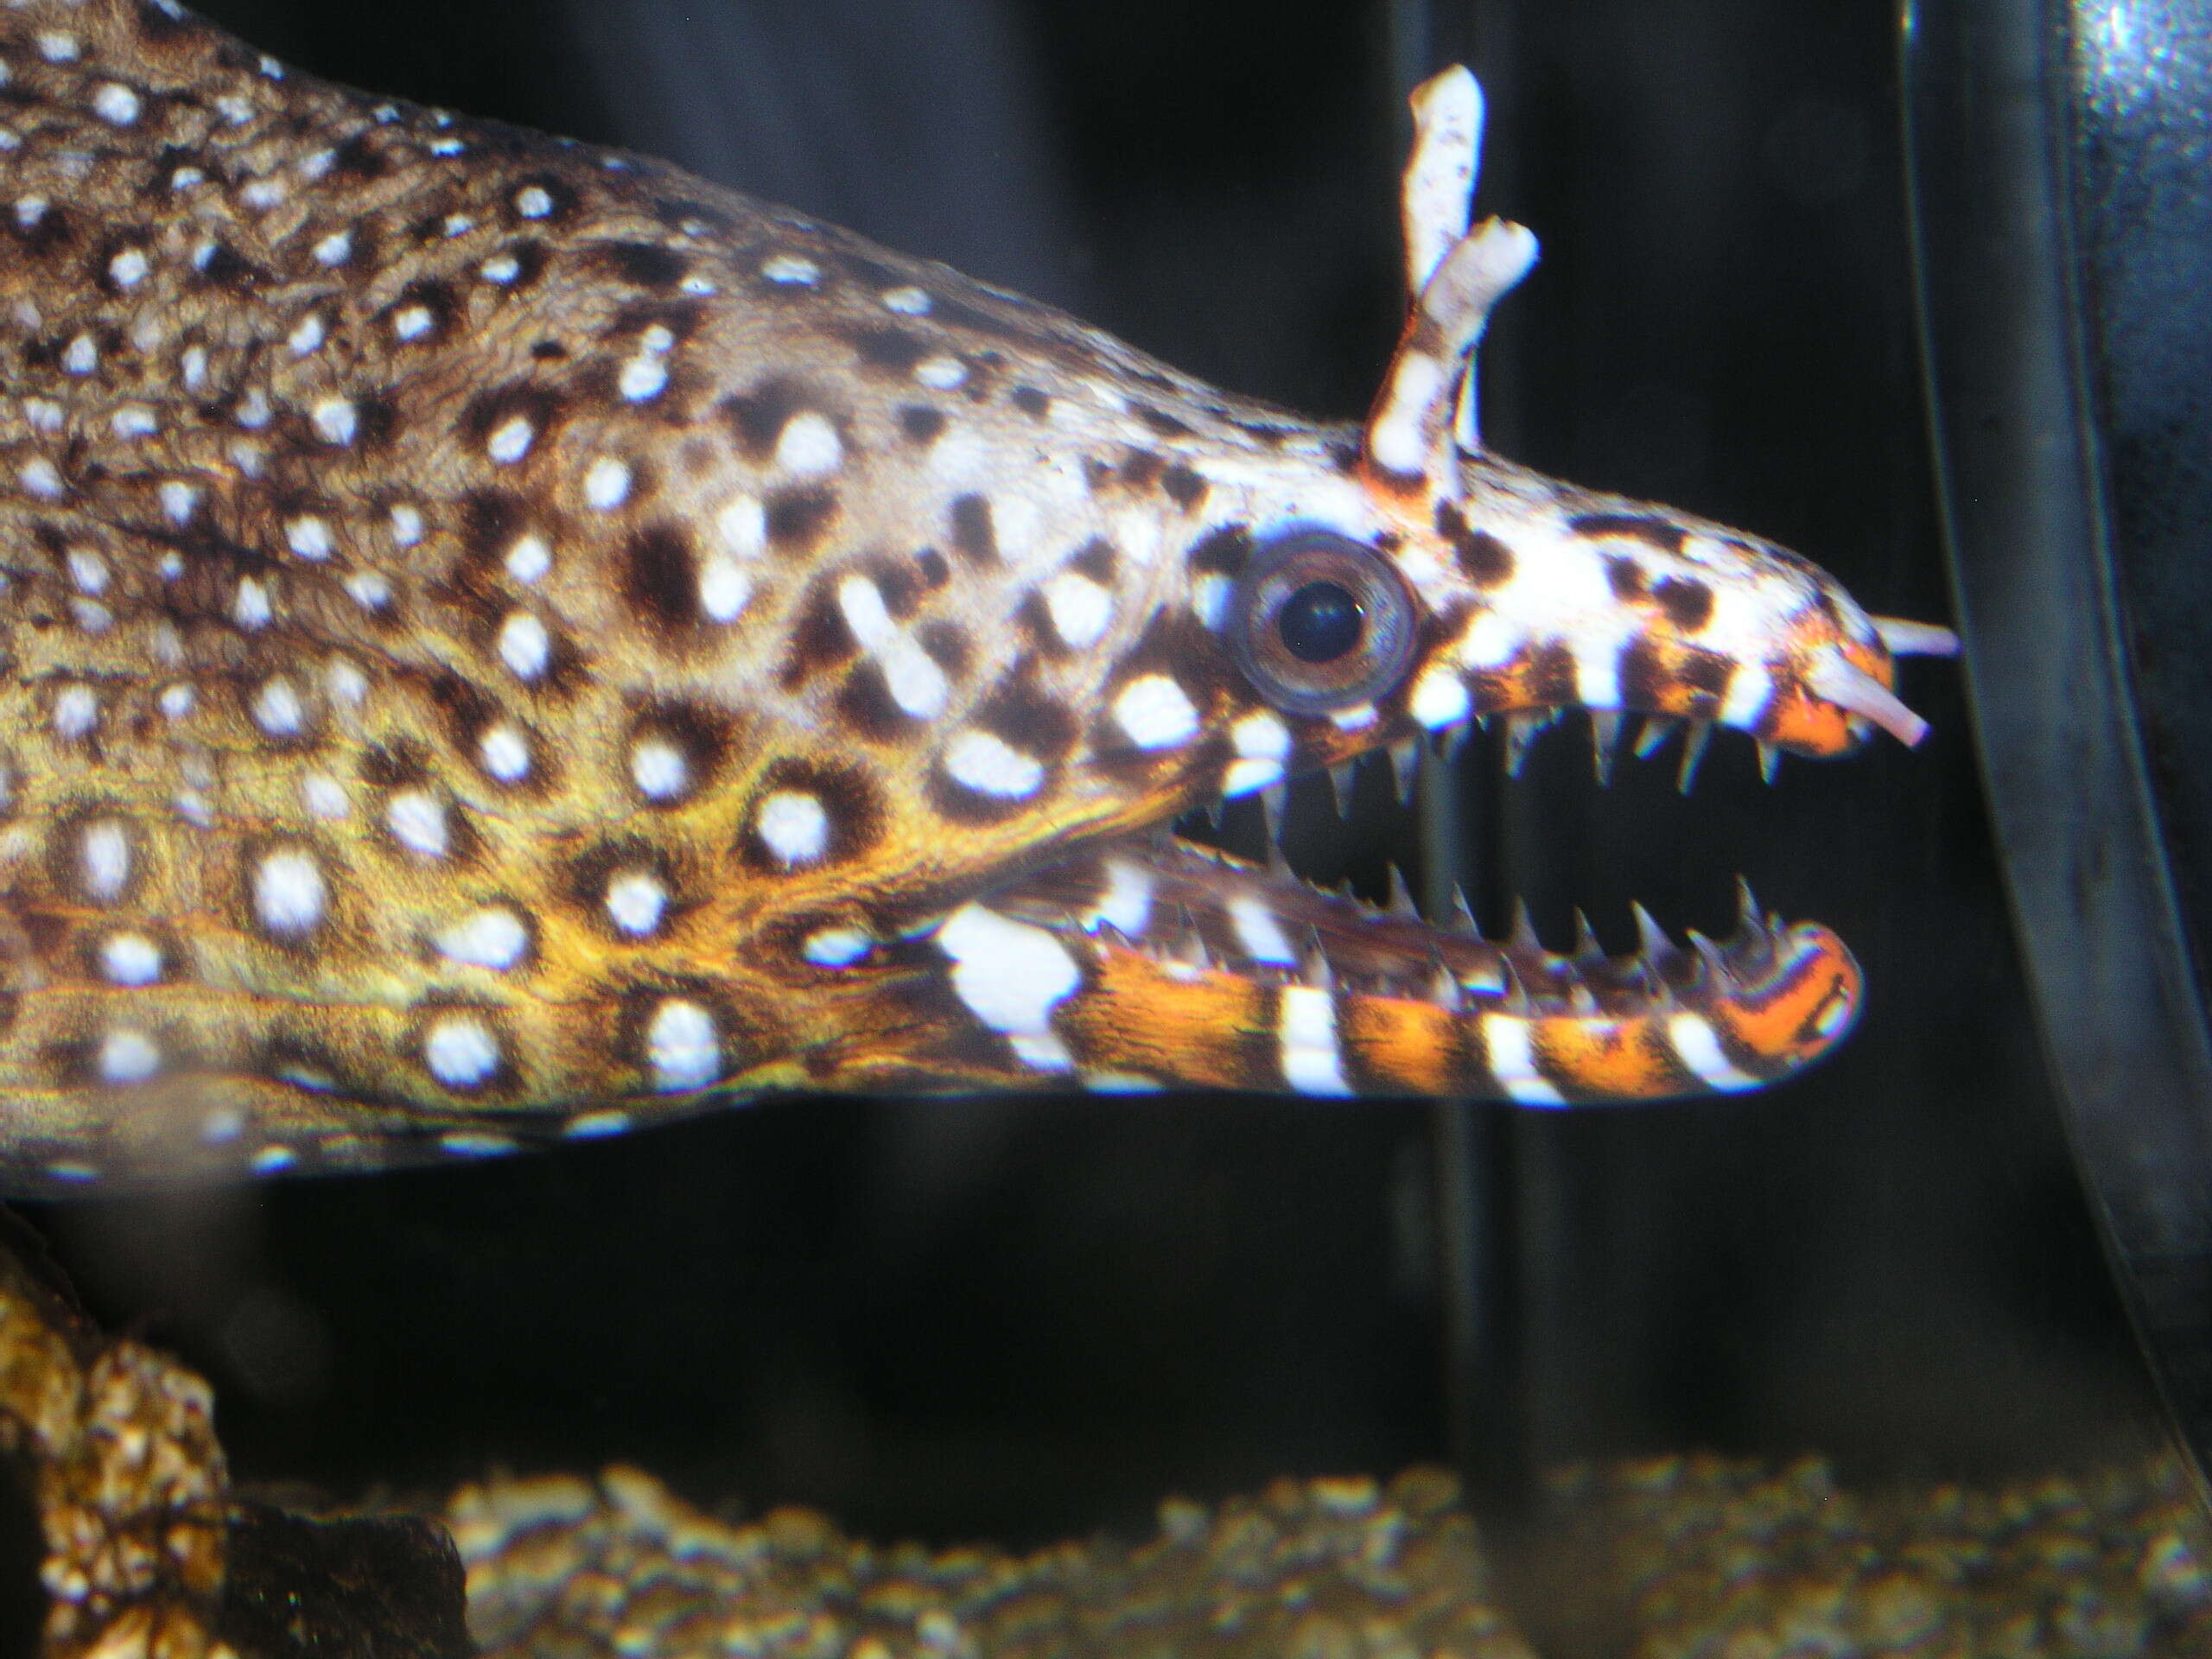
1081	610
251	610
307	338
941	374
532	201
179	502
1126	906
29	210
907	302
988	765
837	947
1154	713
917	685
741	526
87	570
504	752
461	1051
406	526
58	46
128	1057
529	559
1750	689
683	1047
1011	976
459	225
270	1159
131	959
334	248
343	679
80	356
1260	933
413	321
417	822
511	440
636	901
1439	699
39	477
794	827
76	712
336	421
134	421
642	379
289	895
1306	1040
492	938
606	485
524	646
370	590
106	852
500	268
277	708
1513	1061
44	414
177	701
659	769
309	538
325	797
595	1125
1698	1046
116	105
128	268
791	268
725	589
808	447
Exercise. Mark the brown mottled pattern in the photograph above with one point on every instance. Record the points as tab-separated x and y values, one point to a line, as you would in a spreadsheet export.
503	638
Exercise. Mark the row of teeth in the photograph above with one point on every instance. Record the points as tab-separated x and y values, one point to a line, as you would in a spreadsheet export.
1516	974
1521	731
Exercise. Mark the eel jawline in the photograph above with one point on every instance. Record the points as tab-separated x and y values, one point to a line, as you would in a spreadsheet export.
1203	970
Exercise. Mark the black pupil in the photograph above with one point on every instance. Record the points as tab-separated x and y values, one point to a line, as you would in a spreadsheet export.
1319	623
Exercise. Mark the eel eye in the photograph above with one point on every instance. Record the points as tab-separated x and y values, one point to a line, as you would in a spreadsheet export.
1319	622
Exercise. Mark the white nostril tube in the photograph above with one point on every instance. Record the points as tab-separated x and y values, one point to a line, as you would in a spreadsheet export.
1915	639
1836	678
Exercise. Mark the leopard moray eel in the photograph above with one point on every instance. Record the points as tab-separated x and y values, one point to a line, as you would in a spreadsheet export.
505	640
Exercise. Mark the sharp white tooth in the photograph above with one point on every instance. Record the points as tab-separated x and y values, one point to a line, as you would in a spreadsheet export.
1692	752
1463	918
1278	866
1274	799
1314	961
1443	989
1716	962
1340	776
1514	993
1580	998
1488	979
1521	731
1657	728
1587	948
1605	737
1401	897
1524	931
1651	938
1211	813
1769	761
1747	909
1405	767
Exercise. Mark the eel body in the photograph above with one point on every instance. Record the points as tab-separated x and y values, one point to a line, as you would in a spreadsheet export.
500	640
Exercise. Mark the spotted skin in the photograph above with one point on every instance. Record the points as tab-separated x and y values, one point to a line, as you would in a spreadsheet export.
505	640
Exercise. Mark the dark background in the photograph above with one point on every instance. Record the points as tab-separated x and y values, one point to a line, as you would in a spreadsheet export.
1022	1319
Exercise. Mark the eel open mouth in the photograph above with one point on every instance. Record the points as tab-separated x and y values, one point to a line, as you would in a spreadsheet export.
1151	959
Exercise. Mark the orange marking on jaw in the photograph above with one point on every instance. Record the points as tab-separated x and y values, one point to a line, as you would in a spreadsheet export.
1197	1026
1797	1017
1607	1059
1415	1046
1800	721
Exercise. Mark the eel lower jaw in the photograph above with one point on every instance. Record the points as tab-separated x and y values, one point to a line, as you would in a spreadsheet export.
1202	968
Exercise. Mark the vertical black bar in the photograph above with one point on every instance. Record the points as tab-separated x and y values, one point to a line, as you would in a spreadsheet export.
2077	828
